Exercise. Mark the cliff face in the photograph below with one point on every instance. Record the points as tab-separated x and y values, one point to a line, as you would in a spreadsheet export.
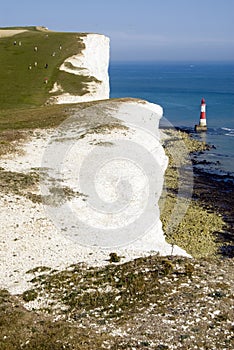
102	176
92	62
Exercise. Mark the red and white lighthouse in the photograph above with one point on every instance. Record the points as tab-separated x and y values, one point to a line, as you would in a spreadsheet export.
203	113
202	124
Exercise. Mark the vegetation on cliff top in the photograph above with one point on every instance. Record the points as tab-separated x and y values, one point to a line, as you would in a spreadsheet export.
30	64
150	303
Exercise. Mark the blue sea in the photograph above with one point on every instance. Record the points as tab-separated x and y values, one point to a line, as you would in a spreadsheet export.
179	88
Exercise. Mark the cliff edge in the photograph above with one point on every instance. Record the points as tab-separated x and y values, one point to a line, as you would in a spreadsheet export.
93	62
40	67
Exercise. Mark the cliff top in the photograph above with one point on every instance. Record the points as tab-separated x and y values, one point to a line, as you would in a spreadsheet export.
30	59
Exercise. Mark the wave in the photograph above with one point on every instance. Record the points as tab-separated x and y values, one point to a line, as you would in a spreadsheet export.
218	155
228	129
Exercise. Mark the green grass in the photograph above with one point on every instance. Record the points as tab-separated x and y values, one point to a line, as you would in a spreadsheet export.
112	292
46	116
31	118
22	329
150	303
22	87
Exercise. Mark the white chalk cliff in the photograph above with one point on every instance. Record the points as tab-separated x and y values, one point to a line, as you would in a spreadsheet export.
112	154
142	120
92	62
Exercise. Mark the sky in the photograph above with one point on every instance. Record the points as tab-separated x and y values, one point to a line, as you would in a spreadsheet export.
142	30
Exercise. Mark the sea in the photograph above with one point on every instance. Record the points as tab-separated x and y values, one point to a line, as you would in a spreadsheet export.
179	87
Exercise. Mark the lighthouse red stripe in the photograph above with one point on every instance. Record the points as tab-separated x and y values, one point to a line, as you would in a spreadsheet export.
203	109
203	115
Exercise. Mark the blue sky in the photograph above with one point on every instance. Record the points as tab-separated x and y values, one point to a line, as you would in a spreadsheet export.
139	30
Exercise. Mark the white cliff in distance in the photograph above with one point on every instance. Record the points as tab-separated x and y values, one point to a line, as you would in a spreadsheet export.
92	62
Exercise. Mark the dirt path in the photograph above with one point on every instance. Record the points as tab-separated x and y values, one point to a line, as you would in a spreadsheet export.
10	32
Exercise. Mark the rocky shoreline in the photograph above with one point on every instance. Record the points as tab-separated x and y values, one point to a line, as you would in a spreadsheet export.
216	193
207	226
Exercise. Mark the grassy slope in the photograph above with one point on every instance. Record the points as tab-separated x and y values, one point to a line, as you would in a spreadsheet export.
152	303
21	87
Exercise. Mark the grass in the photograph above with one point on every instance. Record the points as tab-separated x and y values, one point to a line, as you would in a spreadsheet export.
10	140
17	182
22	87
22	329
38	117
148	303
21	184
92	290
42	117
32	118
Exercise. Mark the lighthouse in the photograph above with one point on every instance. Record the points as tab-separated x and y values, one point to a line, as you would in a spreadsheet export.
202	124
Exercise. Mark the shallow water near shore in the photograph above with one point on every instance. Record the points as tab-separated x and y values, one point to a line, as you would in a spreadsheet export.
178	88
